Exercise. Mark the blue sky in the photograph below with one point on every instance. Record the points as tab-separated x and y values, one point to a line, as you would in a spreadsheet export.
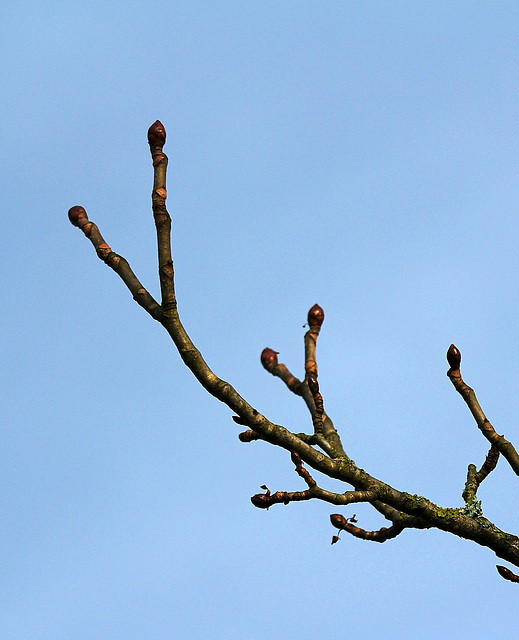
362	155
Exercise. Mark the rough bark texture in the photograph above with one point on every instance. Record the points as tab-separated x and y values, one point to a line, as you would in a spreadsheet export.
322	449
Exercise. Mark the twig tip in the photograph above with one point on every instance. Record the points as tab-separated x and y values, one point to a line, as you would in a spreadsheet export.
269	358
338	521
76	213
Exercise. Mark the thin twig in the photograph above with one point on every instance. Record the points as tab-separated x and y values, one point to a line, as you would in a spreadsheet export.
475	478
79	218
467	393
157	139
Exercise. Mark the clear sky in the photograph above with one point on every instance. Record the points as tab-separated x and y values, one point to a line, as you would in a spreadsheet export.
362	155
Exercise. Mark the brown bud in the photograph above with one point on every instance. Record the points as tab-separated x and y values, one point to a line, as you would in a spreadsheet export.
454	357
248	436
269	358
296	458
75	214
335	539
316	316
338	521
157	134
313	385
261	501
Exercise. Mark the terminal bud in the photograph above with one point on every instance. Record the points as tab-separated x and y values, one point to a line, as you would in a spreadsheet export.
316	316
157	134
454	357
338	521
269	358
75	214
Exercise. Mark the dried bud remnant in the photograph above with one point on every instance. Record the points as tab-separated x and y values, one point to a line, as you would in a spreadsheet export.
75	214
454	357
316	316
157	134
269	358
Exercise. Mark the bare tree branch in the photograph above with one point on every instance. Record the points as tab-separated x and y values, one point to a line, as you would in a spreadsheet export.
403	510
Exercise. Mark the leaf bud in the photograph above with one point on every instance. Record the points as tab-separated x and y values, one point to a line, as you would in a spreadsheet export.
269	358
157	134
316	316
77	213
260	500
248	436
454	357
338	521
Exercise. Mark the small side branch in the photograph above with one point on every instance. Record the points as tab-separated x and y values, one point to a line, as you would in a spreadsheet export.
270	362
157	139
346	524
79	218
475	478
267	499
467	393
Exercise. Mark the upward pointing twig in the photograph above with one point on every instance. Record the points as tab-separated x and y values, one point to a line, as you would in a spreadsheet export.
157	139
467	393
